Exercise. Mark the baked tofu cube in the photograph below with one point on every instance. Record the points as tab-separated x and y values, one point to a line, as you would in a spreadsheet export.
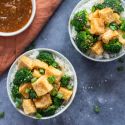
25	62
43	102
66	93
97	48
109	35
42	86
28	106
51	71
121	39
36	73
39	64
23	88
94	15
107	15
97	26
116	18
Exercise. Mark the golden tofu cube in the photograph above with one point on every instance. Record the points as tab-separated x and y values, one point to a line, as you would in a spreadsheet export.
116	18
94	15
25	62
39	64
42	86
28	106
97	26
36	73
43	102
107	15
22	89
109	35
66	93
51	71
97	48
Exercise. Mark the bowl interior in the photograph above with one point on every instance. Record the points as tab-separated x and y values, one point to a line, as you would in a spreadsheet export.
80	6
13	69
26	25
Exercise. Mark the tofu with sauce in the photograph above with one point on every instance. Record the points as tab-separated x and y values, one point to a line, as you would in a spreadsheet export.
109	35
97	26
43	102
116	18
39	64
66	93
97	48
22	89
36	73
94	15
42	86
28	106
25	62
51	71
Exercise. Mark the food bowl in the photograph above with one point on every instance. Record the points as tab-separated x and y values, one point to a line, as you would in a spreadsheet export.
83	4
32	54
26	25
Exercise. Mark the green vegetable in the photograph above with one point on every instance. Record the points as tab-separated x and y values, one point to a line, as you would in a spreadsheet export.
33	80
65	80
32	94
96	109
57	102
114	46
59	95
113	26
2	114
116	5
84	41
51	79
123	36
38	115
56	65
120	68
23	75
27	90
15	92
42	71
18	102
54	92
122	27
69	87
80	20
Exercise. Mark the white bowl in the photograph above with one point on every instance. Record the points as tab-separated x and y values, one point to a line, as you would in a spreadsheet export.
80	6
13	70
25	26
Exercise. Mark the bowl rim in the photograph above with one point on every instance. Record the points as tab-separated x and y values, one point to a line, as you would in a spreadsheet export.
74	89
4	34
74	44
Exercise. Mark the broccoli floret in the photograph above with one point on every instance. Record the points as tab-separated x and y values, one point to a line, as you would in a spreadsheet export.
114	46
113	26
23	75
32	94
15	92
80	20
122	26
57	102
65	81
84	41
116	5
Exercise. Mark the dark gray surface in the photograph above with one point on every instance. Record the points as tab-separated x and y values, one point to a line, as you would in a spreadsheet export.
98	83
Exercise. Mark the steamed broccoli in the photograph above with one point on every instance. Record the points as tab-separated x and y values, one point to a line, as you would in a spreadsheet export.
23	75
80	20
65	80
113	26
84	41
114	46
116	5
15	92
122	26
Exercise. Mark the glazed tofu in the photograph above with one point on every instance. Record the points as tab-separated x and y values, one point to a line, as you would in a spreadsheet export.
25	62
39	64
36	73
42	86
109	35
66	93
116	18
51	71
94	15
121	39
97	26
97	48
43	102
22	89
28	106
107	15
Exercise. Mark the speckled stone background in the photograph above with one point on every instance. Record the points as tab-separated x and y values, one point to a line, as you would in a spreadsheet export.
98	83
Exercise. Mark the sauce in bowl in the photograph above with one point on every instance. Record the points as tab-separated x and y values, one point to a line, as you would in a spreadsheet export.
14	14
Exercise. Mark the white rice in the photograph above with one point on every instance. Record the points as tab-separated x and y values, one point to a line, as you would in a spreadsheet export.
88	5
